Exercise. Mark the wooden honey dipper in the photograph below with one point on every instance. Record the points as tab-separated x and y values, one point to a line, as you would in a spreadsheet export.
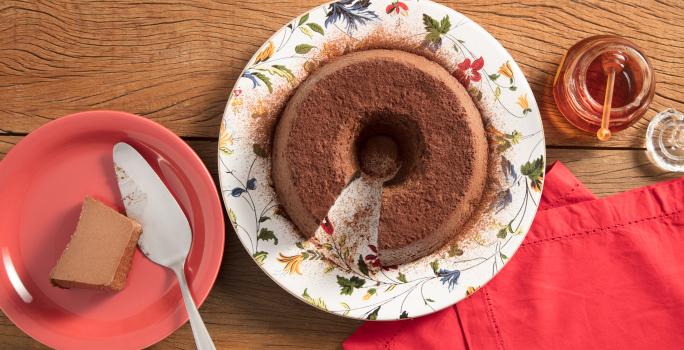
612	63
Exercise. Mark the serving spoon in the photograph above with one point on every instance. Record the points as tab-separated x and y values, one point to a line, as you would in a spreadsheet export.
166	236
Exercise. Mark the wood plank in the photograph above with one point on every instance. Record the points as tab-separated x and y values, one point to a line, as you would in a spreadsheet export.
248	310
6	143
12	337
607	172
176	63
603	171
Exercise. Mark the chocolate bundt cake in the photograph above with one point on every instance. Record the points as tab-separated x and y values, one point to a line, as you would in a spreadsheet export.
388	114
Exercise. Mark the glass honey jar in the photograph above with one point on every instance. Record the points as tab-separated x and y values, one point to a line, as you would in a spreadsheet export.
604	84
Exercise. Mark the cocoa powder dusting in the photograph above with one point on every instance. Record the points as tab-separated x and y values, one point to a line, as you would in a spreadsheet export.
379	157
458	157
268	111
390	94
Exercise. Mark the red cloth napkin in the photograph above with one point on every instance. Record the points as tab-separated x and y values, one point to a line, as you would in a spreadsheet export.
591	274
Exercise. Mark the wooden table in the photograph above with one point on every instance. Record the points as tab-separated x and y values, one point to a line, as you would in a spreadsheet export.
175	62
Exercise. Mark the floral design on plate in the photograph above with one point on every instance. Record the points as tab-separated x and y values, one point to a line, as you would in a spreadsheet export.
356	285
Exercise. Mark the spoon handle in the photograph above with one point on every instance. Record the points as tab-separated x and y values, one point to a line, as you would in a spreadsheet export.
199	330
603	133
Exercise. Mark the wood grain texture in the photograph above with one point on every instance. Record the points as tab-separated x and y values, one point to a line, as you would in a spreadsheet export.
609	171
176	63
6	143
603	171
246	310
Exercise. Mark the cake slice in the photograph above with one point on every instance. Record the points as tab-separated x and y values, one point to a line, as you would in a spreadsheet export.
100	252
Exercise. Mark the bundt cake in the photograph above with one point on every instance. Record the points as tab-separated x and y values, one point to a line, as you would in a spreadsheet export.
388	114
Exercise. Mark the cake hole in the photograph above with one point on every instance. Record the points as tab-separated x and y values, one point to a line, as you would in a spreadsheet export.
388	146
379	157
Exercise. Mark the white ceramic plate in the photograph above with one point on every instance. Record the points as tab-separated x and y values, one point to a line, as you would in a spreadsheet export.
356	287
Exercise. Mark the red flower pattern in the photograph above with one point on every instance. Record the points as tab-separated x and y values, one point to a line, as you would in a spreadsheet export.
327	226
397	7
467	71
375	261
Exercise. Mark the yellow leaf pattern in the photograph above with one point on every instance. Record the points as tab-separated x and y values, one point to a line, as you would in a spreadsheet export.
266	53
236	103
292	263
506	70
522	102
225	141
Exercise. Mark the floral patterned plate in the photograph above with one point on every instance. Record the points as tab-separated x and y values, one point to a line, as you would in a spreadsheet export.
356	285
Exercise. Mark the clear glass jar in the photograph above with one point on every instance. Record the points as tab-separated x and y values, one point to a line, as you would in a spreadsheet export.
579	85
665	140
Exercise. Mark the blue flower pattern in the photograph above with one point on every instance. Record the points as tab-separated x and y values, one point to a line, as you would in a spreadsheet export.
353	12
449	277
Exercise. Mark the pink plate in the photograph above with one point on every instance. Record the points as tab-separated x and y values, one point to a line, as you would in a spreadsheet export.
43	181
